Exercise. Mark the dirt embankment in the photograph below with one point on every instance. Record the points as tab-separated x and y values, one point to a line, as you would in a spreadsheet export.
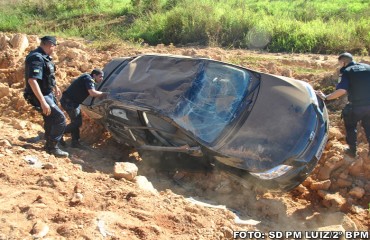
77	197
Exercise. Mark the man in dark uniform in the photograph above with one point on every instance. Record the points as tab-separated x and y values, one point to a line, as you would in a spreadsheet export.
40	84
75	94
355	80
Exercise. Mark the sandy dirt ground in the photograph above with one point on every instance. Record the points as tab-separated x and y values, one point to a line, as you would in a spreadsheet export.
43	197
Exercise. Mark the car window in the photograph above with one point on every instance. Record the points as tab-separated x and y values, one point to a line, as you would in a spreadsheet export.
212	101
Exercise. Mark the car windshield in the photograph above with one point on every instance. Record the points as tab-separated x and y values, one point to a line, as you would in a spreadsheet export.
213	100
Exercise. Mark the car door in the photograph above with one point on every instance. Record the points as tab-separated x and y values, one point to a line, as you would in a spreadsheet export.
168	137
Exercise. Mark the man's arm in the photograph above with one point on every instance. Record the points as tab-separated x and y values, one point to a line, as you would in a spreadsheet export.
57	92
95	93
36	90
336	94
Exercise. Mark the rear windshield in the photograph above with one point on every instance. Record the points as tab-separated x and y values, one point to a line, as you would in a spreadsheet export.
212	101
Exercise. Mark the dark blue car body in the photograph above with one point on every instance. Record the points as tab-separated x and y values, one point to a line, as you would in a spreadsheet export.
272	127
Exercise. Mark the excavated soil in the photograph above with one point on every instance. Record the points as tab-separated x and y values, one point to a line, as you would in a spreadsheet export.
79	198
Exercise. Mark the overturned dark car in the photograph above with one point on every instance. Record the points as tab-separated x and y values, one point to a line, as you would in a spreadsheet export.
271	127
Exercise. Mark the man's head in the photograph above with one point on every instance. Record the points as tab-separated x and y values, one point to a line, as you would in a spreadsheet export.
344	59
97	75
48	44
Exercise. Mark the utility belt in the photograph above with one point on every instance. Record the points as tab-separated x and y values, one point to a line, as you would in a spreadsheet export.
67	102
32	99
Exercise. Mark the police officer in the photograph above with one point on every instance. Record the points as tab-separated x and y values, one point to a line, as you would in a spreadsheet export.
74	95
355	81
40	84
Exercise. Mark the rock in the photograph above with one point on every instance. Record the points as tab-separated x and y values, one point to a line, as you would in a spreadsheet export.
77	167
227	232
332	221
19	42
4	90
330	165
3	41
39	229
77	188
331	200
331	228
135	156
64	178
72	53
72	44
85	67
307	182
77	198
367	187
335	133
48	166
357	192
356	168
302	189
348	224
314	217
323	185
5	143
19	124
125	170
341	182
192	209
65	230
145	185
72	64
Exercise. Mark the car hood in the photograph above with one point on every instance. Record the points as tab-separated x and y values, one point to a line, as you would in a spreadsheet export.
277	129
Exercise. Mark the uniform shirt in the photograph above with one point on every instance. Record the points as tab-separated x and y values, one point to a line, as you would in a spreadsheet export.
39	65
78	91
343	82
355	78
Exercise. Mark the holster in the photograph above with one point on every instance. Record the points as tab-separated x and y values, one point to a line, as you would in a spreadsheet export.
32	99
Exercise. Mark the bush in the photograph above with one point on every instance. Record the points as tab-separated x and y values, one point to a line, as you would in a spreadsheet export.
279	26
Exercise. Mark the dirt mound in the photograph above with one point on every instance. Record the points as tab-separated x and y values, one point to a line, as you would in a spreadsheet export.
78	197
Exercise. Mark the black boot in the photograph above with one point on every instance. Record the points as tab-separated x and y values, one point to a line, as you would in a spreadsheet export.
52	148
76	144
62	142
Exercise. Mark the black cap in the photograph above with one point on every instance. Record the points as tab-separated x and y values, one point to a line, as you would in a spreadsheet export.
51	39
97	71
345	55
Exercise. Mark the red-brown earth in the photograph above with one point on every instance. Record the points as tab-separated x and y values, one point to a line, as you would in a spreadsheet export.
79	198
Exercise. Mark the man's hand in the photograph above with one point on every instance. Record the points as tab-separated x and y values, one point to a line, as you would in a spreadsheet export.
58	93
46	110
321	95
104	94
36	90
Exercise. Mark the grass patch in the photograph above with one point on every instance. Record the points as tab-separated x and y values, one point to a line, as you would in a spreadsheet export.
277	26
